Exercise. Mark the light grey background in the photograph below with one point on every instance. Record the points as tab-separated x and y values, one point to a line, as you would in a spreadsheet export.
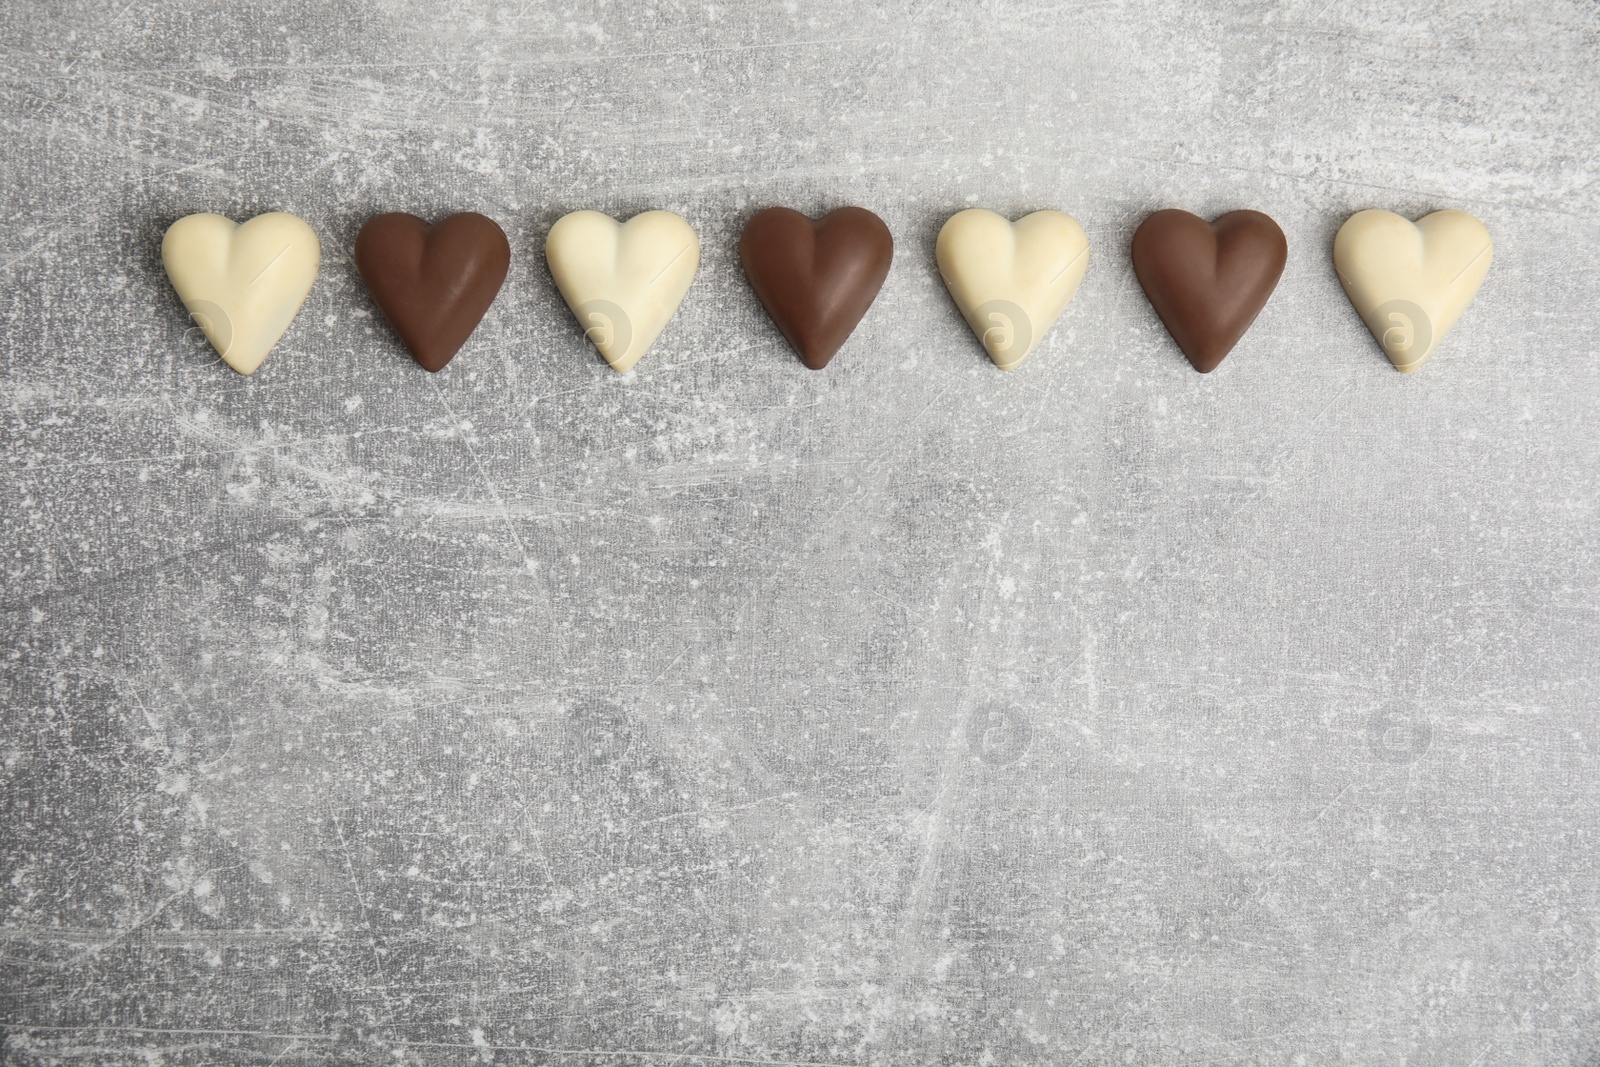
904	713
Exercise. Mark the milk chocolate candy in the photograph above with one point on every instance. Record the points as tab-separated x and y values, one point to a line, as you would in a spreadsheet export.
1208	281
434	283
1411	281
243	284
816	278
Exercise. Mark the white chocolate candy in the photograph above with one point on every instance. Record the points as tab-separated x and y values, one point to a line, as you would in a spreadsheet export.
623	281
1411	282
243	284
1011	280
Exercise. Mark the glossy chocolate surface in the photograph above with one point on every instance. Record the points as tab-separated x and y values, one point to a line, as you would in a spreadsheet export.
816	278
434	283
1208	280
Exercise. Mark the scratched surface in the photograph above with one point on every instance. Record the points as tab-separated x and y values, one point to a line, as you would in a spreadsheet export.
901	714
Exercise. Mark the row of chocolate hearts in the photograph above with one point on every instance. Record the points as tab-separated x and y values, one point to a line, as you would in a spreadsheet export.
244	284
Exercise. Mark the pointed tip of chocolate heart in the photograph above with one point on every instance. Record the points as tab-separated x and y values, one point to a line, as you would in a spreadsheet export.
817	359
1206	360
434	362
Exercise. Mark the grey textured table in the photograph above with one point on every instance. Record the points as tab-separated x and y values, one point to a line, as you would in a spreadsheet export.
905	713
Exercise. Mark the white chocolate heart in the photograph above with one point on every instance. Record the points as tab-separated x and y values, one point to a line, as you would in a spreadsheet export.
623	281
1011	280
1411	281
243	284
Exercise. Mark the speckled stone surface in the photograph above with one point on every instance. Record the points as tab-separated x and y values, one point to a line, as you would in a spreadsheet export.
907	713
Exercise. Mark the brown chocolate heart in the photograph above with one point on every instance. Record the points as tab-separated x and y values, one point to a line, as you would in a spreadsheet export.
1208	281
433	282
816	279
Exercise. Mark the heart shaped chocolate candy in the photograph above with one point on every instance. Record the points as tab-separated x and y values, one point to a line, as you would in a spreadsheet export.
1208	280
1411	281
243	284
623	281
434	283
816	278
